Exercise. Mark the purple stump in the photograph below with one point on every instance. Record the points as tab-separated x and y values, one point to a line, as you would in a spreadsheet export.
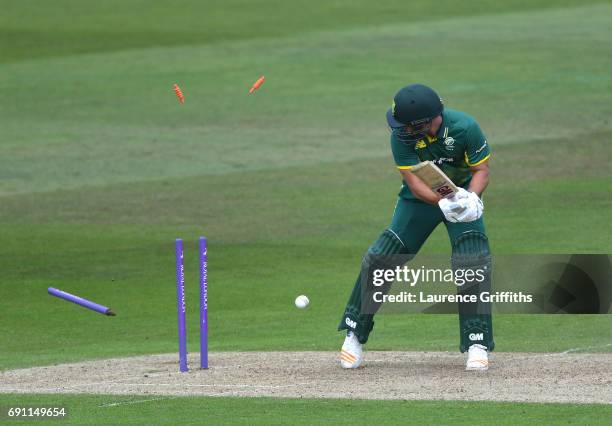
203	304
180	305
80	301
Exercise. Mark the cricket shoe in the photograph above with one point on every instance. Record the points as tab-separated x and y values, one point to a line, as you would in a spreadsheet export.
478	359
351	355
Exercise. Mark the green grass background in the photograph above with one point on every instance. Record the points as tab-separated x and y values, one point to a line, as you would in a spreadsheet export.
101	168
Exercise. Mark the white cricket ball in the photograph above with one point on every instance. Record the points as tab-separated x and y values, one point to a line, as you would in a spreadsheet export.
301	302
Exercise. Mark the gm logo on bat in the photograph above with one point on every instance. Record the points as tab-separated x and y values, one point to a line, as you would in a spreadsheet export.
444	190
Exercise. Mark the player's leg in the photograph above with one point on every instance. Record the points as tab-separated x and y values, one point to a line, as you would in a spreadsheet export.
470	251
413	221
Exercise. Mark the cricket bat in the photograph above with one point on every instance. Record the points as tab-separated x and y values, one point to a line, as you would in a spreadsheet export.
434	178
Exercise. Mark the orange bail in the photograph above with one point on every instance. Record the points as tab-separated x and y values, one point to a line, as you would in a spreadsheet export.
179	93
257	84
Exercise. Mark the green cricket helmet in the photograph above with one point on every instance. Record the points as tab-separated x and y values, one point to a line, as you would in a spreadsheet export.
414	107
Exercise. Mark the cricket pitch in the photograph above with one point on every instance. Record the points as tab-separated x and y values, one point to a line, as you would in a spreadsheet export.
526	377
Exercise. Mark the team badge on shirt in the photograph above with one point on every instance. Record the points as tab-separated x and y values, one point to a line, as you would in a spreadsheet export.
449	143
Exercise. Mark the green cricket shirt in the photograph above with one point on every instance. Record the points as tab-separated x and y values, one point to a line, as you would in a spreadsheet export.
458	145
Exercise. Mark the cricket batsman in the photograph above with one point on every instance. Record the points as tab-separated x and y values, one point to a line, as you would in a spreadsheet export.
423	129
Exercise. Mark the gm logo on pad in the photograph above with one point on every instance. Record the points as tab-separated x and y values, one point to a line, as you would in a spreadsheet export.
350	323
476	336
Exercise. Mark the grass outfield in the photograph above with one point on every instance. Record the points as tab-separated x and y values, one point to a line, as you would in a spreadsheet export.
101	169
146	409
38	30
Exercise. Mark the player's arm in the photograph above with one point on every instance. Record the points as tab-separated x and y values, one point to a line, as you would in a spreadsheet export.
477	158
480	178
418	188
405	158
